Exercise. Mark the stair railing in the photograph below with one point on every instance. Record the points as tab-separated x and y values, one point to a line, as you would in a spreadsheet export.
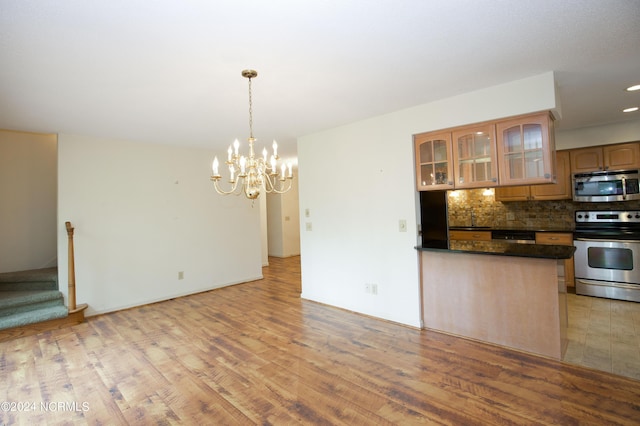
72	274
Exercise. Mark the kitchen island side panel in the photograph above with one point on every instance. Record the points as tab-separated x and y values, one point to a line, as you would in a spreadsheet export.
509	301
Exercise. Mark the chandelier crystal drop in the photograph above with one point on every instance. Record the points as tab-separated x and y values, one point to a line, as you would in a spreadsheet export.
255	173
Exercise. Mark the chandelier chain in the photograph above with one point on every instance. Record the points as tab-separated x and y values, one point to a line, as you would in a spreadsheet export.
250	111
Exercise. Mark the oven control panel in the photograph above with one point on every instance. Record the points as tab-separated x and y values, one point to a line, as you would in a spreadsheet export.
599	216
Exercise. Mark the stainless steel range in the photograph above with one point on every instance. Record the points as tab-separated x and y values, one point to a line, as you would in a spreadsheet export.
607	257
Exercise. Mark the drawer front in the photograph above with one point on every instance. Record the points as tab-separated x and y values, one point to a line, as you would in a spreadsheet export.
470	235
554	238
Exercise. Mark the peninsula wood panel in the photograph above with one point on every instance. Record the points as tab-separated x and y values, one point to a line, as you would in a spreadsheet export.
256	353
494	299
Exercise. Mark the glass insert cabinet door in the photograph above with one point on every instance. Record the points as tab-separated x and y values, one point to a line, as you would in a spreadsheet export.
474	153
526	150
433	161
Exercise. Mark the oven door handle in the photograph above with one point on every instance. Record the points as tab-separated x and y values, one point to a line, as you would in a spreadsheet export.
611	240
608	284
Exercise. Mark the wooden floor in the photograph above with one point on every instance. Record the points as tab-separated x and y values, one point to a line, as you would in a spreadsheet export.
256	353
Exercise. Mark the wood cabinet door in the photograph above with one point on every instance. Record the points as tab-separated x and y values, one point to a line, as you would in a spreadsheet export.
586	159
526	146
560	239
554	238
561	190
474	156
434	167
621	156
513	193
470	235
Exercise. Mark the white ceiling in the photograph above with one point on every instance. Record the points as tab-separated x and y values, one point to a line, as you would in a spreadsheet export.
168	71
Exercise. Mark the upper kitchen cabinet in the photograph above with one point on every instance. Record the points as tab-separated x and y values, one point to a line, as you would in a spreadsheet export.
433	161
474	156
561	190
608	157
526	149
514	151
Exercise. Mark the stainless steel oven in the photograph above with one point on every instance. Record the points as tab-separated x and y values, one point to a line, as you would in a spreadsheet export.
607	257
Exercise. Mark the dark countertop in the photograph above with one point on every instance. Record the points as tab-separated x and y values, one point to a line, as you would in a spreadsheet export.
501	248
507	228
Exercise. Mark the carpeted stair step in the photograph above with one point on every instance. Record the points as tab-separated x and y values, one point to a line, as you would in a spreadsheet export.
32	317
14	302
36	279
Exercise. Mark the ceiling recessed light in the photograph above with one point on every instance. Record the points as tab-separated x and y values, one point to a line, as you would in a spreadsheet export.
632	88
630	109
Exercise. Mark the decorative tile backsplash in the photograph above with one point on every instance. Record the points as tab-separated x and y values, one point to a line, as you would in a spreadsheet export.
478	207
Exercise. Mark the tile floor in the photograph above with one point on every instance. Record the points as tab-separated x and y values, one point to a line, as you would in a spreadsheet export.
604	334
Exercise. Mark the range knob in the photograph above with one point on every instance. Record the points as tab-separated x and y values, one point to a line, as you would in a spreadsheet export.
637	215
579	216
629	216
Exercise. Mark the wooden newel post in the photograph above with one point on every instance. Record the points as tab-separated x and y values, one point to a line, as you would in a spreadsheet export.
72	270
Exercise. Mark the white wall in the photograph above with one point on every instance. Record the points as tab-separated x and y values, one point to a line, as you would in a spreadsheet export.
264	230
27	200
291	221
627	131
358	181
274	224
284	222
144	212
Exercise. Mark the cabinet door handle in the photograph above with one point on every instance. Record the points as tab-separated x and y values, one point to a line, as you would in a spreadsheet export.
554	238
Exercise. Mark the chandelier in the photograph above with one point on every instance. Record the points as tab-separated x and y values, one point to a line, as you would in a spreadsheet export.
254	172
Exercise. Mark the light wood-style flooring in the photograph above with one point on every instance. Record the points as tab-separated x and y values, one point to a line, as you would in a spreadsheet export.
256	353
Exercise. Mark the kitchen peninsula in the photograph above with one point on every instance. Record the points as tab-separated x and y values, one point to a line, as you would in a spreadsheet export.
511	295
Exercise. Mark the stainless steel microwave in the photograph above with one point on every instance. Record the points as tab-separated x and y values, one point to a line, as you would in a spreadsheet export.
598	187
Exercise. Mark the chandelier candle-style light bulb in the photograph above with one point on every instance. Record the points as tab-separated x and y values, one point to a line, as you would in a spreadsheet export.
256	174
243	164
214	166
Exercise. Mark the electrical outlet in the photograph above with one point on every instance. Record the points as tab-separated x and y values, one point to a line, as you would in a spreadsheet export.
308	226
402	225
367	288
181	275
374	288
